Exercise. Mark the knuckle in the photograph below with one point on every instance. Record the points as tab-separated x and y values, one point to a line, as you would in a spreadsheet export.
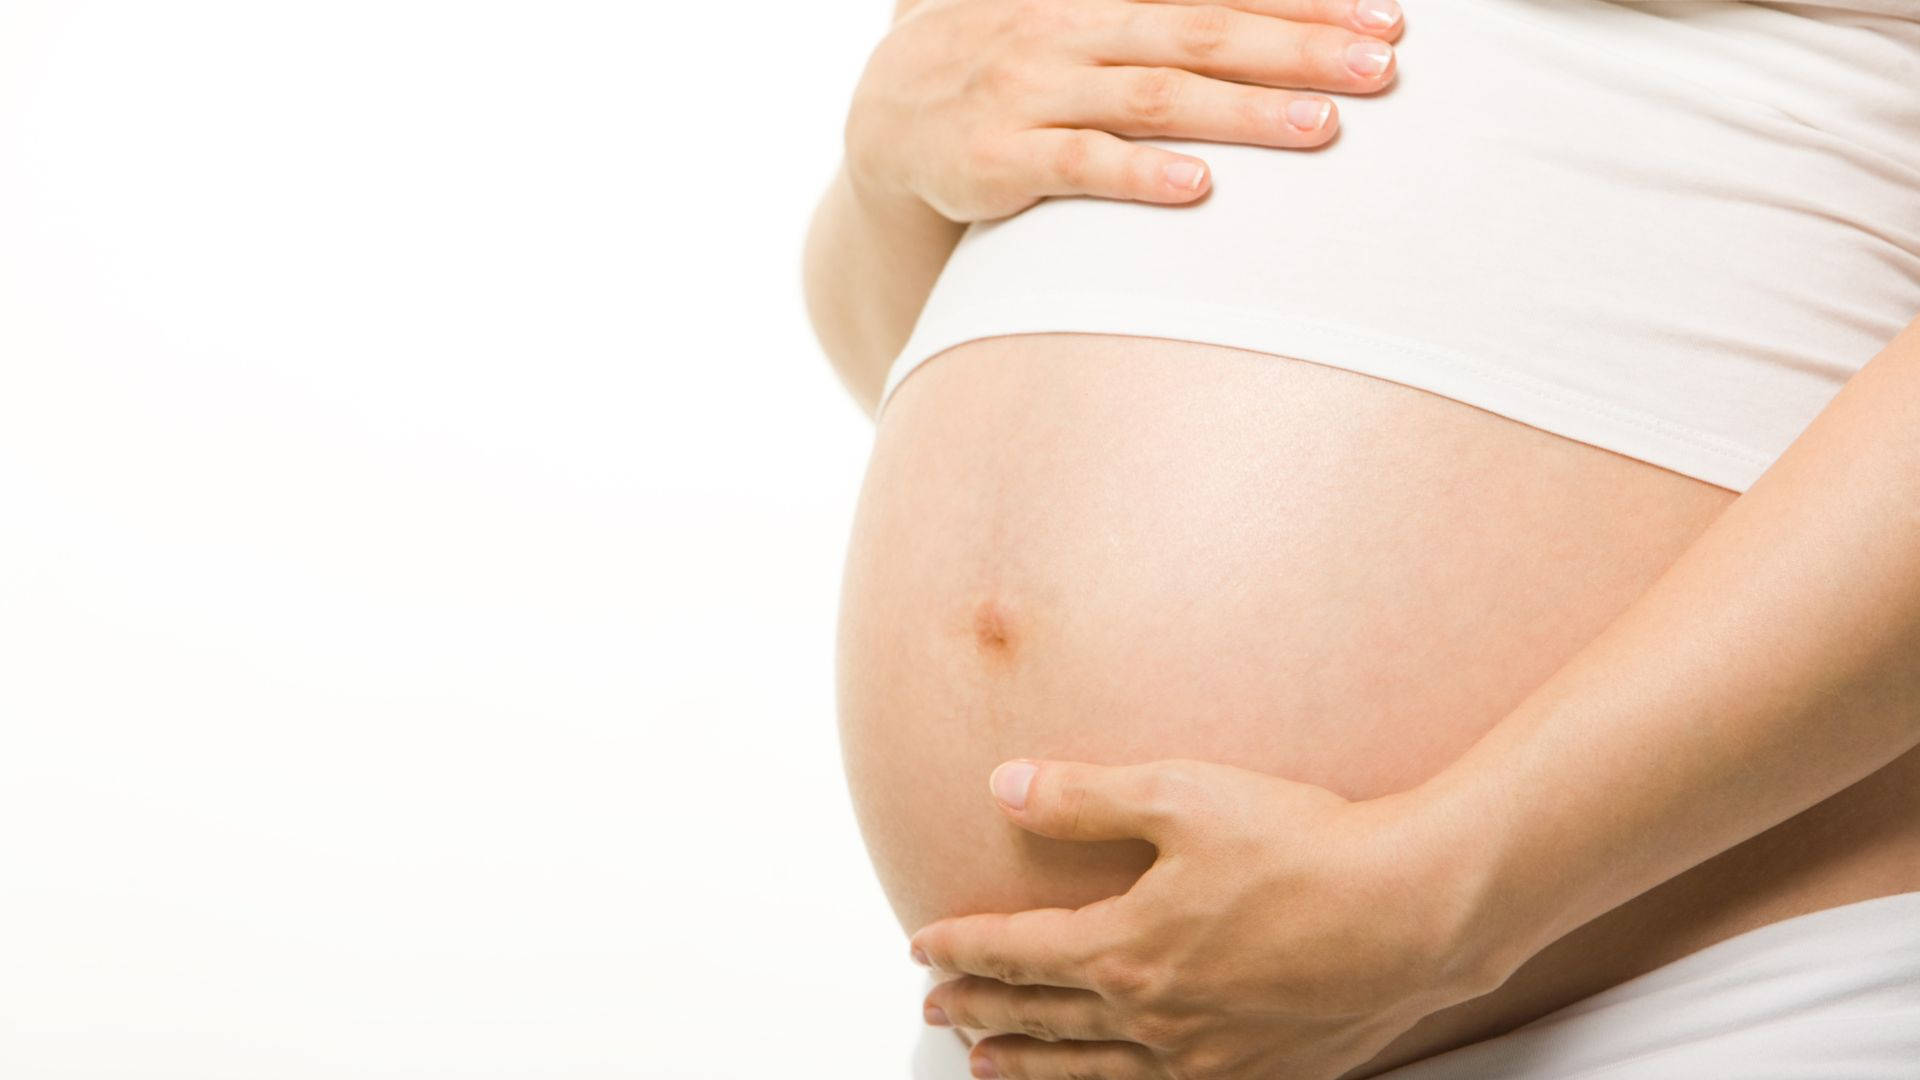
1188	786
1002	969
1152	95
1263	113
1156	1029
1142	985
1202	30
982	155
1035	1028
1309	55
1154	989
1167	792
1071	803
998	76
1118	977
1073	162
960	1013
1168	1029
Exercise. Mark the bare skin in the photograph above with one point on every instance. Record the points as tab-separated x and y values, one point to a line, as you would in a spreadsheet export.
1115	549
972	110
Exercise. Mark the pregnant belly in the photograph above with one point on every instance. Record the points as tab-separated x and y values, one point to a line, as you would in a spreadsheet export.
1117	549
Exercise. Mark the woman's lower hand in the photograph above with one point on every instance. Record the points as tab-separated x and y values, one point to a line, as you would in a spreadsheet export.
1282	932
980	108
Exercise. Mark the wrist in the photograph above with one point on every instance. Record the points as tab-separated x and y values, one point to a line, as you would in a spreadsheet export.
1485	929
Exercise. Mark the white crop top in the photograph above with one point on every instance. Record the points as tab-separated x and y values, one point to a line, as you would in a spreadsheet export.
1670	229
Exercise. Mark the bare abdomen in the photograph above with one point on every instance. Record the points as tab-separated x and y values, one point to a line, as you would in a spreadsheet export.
1118	549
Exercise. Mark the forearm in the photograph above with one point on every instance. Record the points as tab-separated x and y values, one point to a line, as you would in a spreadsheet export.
1775	663
870	263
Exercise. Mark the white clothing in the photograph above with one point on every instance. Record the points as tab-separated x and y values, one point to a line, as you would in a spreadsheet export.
1670	229
1829	995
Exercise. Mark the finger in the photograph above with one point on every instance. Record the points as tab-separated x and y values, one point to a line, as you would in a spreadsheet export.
1071	800
1045	946
1170	101
1211	39
1081	161
1016	1057
1047	1013
1377	18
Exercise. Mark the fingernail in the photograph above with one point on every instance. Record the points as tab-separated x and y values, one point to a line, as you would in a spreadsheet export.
920	957
1308	115
1185	175
1378	14
983	1068
1369	57
1010	782
936	1016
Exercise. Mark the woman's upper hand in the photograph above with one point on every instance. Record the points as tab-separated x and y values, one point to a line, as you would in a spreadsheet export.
1283	931
980	108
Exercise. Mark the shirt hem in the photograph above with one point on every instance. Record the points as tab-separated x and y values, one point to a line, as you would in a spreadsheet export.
1499	389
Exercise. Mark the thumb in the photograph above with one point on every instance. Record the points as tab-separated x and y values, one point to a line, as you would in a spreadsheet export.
1071	800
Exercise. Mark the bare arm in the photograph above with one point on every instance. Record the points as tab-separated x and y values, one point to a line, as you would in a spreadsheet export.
1774	664
974	110
1283	930
869	264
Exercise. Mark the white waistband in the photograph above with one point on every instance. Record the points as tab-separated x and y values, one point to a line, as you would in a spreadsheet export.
1834	993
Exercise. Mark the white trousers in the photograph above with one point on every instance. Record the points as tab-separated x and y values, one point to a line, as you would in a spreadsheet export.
1829	995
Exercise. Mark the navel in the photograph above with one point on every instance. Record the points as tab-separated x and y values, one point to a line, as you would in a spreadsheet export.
993	629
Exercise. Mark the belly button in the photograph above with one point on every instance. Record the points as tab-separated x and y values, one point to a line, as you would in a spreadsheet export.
993	627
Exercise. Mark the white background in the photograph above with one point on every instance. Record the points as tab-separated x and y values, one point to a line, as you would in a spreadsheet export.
422	504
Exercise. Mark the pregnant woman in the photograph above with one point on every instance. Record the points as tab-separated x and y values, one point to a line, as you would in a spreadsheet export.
1432	507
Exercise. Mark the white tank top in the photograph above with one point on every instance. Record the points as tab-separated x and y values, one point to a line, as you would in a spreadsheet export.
1670	229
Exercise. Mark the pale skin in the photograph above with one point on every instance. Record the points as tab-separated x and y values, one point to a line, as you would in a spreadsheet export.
1693	717
971	110
1775	663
